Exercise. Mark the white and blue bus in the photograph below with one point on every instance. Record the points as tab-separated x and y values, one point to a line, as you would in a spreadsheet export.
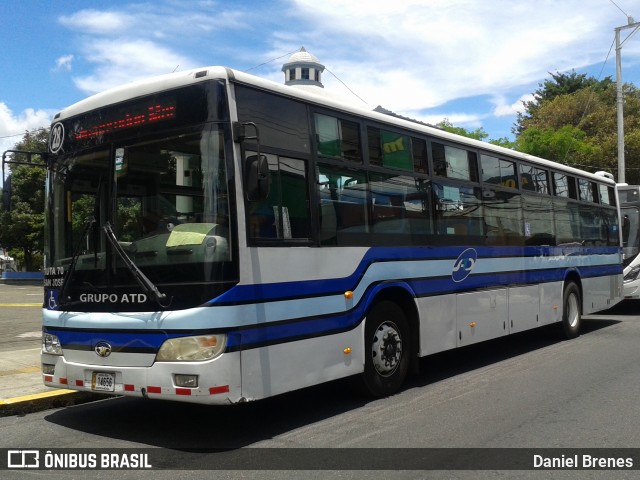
213	237
629	197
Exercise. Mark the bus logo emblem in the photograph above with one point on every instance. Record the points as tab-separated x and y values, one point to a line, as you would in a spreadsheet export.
56	137
102	349
464	264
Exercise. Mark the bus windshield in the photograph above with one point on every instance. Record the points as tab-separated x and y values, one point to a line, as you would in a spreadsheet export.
166	202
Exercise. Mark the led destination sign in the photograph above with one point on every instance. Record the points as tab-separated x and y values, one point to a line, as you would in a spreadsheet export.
134	116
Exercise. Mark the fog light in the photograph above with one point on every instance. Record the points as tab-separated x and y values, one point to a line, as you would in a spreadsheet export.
48	369
188	381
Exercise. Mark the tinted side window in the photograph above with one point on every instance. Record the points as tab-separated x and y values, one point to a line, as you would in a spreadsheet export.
567	221
611	228
498	171
458	214
503	217
378	210
282	122
338	138
564	185
400	210
607	195
343	209
539	227
419	155
534	179
284	214
389	149
452	162
587	190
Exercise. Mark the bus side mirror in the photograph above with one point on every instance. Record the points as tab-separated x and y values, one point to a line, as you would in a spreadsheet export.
257	177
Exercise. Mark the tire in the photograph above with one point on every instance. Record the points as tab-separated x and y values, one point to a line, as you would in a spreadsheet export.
571	311
387	349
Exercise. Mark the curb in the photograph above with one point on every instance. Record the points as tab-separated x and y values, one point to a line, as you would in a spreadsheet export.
46	400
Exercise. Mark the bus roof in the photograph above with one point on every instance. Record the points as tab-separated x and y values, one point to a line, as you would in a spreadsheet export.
315	95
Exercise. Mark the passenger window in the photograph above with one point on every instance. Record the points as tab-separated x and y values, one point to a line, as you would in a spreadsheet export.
503	216
539	228
389	149
498	172
458	213
454	162
343	208
419	155
564	186
401	210
607	195
284	214
587	190
338	138
534	179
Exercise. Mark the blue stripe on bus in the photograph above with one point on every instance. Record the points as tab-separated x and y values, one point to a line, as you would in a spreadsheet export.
274	332
379	268
134	341
289	290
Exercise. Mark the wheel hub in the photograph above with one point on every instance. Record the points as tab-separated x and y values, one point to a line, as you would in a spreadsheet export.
386	348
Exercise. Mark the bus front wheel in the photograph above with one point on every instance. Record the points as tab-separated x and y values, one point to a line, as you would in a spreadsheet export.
387	348
571	311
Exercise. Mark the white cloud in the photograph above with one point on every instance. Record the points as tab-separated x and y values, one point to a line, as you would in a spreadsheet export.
95	21
29	119
13	126
118	62
410	56
414	54
467	120
64	62
503	109
140	41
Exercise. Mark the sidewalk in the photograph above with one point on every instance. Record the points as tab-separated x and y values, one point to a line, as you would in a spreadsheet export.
22	390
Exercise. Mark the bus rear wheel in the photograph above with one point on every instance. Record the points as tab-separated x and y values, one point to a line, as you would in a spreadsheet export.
571	311
387	348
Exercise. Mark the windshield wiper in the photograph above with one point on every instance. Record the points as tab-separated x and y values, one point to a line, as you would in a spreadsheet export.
146	284
64	301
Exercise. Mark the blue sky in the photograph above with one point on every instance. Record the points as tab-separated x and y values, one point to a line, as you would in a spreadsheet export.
470	61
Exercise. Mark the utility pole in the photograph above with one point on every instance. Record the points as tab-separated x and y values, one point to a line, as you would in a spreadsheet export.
619	97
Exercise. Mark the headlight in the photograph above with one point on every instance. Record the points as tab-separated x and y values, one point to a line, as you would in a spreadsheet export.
51	344
192	349
632	275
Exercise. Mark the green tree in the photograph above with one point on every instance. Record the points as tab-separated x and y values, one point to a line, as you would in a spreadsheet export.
22	227
560	84
556	144
574	122
477	134
503	142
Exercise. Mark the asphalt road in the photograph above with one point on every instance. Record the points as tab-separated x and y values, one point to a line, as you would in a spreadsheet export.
530	390
20	316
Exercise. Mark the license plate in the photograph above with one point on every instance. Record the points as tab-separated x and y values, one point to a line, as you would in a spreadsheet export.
103	382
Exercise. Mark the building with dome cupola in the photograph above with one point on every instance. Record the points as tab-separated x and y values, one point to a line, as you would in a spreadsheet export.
303	68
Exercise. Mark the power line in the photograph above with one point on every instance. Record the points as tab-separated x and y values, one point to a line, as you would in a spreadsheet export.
586	108
273	60
23	133
333	74
345	85
618	7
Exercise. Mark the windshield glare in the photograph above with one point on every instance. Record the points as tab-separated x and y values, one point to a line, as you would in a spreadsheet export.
166	200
